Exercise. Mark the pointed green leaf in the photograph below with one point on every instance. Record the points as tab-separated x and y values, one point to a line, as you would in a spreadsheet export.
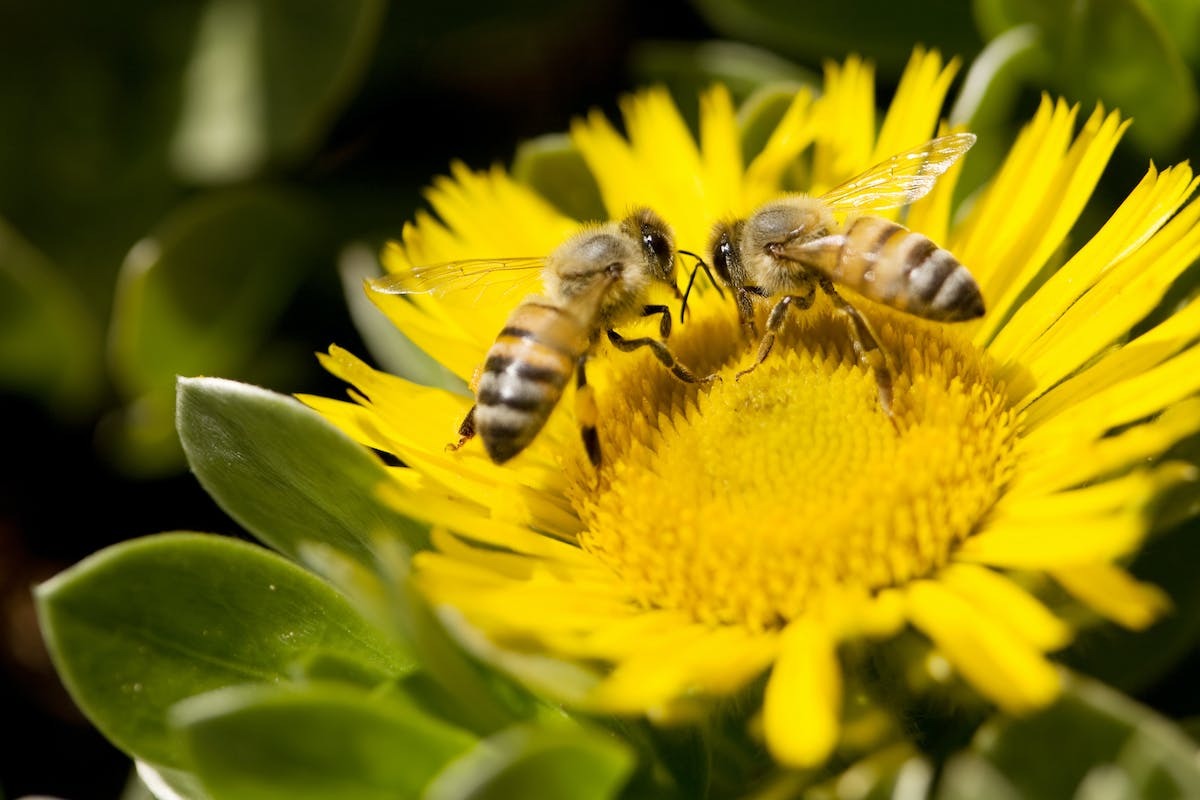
551	761
967	775
1181	20
313	741
555	169
1133	660
993	82
144	624
284	472
48	338
199	296
1051	753
265	80
811	32
164	783
689	68
1115	51
894	770
760	114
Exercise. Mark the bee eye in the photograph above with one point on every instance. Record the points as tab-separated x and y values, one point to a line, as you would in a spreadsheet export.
720	258
657	247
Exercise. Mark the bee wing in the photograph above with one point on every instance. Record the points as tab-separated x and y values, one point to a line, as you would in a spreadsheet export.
453	276
903	178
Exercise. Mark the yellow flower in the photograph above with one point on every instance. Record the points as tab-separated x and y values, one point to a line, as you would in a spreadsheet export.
751	527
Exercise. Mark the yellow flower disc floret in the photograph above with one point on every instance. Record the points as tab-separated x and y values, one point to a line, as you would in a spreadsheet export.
743	502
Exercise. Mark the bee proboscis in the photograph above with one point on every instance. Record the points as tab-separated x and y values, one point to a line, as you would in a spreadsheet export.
598	279
790	247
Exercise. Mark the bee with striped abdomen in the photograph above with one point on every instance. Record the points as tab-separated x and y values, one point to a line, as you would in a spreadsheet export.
596	280
790	247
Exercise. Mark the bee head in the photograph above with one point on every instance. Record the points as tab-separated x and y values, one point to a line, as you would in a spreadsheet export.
723	247
657	242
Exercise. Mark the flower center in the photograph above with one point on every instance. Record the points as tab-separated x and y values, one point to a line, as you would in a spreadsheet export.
744	501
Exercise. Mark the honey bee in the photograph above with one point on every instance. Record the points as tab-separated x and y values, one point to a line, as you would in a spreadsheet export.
790	247
596	280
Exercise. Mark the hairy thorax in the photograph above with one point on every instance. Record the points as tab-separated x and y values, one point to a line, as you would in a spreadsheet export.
793	218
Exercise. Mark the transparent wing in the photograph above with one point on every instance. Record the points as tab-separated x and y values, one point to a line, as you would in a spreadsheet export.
903	178
455	276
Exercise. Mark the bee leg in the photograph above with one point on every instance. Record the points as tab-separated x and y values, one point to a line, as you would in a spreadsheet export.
802	302
661	352
466	431
866	346
745	308
664	324
586	413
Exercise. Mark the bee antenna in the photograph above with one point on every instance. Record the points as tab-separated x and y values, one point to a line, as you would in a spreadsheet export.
700	265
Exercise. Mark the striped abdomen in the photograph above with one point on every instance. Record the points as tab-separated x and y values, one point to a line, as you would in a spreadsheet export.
886	262
524	376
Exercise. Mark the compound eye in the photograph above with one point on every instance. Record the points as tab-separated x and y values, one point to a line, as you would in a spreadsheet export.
657	246
720	258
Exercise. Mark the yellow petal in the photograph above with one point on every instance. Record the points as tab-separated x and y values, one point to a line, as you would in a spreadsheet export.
611	162
1129	361
791	136
1004	601
997	224
845	135
1063	191
1112	593
721	155
1136	397
1118	302
931	214
493	216
1133	490
417	422
803	701
1072	460
692	658
917	105
1050	543
992	659
1155	199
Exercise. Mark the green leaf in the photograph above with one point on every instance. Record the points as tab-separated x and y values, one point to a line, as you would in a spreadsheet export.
989	92
199	297
760	114
551	761
162	783
314	741
146	623
1133	660
286	474
689	68
265	81
812	32
967	775
467	692
1049	754
893	771
1181	20
48	338
555	169
1111	50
